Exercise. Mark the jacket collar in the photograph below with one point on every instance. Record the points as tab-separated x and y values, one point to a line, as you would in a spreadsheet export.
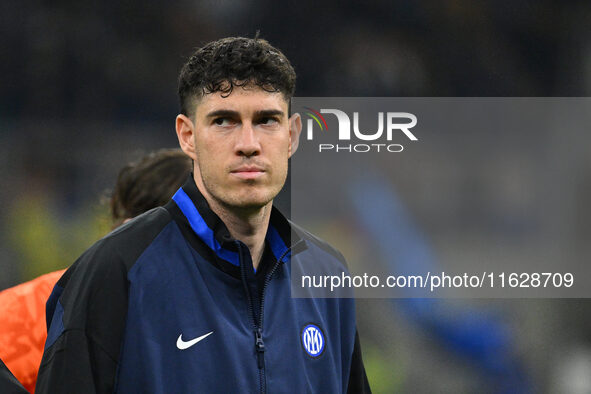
214	233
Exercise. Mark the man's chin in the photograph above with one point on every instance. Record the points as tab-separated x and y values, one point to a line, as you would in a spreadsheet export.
248	202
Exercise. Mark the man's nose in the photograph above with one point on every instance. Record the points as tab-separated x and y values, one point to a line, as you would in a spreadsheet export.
248	143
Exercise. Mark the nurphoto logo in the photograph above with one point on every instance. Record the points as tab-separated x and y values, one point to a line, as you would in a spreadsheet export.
396	123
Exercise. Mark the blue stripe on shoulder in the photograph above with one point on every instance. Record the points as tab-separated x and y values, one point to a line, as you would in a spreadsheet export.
56	327
51	303
200	227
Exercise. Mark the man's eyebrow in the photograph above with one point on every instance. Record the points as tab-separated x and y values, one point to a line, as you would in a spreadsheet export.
223	112
268	112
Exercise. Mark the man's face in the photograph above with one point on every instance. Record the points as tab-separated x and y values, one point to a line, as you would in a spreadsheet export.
241	145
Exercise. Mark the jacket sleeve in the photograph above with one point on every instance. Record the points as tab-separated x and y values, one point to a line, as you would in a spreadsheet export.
358	382
86	319
76	364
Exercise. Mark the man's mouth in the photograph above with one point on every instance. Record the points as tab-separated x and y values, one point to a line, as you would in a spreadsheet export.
248	172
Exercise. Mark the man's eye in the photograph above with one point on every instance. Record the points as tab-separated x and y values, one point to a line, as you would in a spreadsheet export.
223	122
268	121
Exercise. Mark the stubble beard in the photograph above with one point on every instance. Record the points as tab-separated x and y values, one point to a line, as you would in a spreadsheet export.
239	198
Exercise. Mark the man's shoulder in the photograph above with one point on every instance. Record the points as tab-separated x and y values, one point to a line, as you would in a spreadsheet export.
91	297
116	252
138	232
312	242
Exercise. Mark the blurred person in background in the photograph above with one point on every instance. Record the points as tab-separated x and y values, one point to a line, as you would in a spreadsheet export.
174	300
142	185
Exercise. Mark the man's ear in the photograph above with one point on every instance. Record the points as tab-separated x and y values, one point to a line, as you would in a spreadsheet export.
295	129
185	131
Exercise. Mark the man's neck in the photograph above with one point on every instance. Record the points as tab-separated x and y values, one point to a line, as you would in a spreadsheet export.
247	225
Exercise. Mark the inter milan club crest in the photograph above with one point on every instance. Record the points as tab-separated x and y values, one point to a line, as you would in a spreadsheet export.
313	340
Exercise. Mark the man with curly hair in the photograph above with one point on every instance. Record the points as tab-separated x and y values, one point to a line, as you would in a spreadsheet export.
196	296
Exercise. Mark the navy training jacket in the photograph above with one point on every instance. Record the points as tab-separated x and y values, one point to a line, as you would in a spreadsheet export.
170	303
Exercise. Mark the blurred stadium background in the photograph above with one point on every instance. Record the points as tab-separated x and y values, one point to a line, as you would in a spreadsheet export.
87	88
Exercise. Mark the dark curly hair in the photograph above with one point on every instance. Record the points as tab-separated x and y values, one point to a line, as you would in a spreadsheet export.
234	61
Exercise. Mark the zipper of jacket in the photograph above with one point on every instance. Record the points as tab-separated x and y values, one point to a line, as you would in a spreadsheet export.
258	326
258	334
268	279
